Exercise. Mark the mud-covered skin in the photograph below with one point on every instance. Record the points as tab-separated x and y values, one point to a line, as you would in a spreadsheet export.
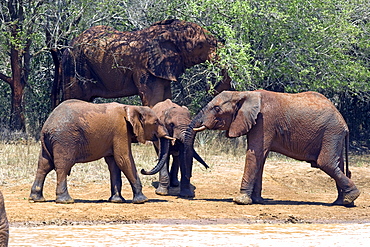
304	126
4	225
80	132
104	62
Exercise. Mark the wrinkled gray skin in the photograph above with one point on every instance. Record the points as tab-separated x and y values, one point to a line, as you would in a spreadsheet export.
4	226
304	126
176	120
79	132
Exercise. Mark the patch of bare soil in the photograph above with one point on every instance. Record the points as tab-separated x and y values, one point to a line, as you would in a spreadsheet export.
293	191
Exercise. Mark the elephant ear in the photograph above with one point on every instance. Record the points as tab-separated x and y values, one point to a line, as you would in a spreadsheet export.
164	59
249	107
136	119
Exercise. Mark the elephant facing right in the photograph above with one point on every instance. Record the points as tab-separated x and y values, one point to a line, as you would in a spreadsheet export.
304	126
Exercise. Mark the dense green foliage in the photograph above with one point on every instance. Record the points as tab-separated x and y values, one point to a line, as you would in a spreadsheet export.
287	46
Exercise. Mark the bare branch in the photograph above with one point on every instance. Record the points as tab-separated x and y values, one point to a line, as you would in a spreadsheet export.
5	78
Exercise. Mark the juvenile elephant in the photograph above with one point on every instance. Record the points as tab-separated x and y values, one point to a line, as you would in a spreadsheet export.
4	225
79	132
104	62
176	120
305	126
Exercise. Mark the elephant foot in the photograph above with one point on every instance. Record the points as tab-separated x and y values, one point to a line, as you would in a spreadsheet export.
139	199
186	193
36	198
64	200
258	200
243	199
174	183
347	198
161	190
350	197
117	199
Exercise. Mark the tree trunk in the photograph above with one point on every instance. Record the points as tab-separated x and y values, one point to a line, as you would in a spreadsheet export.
17	84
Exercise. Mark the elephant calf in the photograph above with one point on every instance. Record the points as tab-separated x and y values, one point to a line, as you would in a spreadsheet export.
176	120
79	132
304	126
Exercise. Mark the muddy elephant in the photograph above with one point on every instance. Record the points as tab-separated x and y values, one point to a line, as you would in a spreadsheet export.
304	126
4	225
78	132
176	120
103	62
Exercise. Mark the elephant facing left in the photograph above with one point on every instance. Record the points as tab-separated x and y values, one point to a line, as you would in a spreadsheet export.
80	132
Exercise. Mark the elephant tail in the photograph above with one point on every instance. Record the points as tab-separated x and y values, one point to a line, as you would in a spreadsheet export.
55	90
348	172
47	147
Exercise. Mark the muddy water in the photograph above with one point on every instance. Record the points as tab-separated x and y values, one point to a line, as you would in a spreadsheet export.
194	235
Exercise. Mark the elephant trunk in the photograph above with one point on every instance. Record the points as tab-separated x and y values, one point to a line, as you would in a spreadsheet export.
189	153
163	156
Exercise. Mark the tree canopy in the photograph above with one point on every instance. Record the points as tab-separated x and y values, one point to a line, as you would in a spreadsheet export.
286	46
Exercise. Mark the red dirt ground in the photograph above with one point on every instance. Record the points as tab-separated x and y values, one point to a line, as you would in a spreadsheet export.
294	193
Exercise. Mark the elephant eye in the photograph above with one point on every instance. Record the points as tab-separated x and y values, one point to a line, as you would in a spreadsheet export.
217	109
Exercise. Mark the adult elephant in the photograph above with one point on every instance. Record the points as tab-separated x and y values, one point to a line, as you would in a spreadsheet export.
305	126
176	120
103	62
78	132
4	225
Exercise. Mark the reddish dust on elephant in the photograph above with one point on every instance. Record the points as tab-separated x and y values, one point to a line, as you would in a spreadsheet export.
80	132
304	126
104	62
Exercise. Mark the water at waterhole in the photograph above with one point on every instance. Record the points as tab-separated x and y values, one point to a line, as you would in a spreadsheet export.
194	235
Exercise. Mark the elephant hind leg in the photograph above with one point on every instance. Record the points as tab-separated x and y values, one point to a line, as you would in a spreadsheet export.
62	194
347	191
43	169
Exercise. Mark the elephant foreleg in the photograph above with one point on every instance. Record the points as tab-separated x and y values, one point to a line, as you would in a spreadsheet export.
257	188
127	166
174	181
164	180
186	163
251	186
115	181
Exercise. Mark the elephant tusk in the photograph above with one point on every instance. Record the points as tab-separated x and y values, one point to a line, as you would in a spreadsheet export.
201	128
172	139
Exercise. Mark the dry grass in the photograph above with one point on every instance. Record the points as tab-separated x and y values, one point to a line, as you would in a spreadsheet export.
18	161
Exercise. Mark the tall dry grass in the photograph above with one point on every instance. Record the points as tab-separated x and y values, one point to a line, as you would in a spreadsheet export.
18	160
18	164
